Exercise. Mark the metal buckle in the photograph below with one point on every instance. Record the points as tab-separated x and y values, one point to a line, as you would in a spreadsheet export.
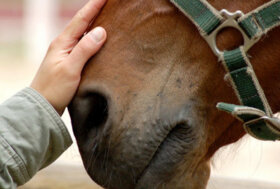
254	121
273	123
230	21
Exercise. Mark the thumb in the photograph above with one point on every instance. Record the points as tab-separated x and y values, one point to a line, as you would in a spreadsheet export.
86	48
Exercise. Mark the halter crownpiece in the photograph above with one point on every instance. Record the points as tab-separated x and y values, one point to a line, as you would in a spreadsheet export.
255	111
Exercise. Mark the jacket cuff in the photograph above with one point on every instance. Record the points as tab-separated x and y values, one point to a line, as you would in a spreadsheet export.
32	93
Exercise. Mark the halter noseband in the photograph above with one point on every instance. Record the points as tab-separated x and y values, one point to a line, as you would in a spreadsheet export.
255	111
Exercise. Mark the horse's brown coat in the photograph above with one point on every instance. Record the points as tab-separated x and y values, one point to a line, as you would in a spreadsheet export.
156	72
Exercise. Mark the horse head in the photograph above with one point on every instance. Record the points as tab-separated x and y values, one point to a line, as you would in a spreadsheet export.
145	113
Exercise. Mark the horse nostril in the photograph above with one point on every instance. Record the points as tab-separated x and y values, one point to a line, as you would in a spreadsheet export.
97	109
89	113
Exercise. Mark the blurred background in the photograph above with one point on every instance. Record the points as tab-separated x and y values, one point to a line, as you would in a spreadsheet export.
26	29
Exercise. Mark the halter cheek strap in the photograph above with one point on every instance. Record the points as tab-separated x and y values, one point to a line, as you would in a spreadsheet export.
255	111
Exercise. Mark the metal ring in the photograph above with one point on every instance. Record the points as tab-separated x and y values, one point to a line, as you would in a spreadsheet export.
230	21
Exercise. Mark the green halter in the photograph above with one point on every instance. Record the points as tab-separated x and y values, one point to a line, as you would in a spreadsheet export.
255	111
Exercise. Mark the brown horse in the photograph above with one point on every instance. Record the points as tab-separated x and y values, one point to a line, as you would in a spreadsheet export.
144	115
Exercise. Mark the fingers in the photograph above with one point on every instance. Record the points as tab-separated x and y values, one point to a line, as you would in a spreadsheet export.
83	18
86	48
79	24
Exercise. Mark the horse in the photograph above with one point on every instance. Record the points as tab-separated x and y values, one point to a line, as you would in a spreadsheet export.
145	114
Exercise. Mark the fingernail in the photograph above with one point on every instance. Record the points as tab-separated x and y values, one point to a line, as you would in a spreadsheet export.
97	34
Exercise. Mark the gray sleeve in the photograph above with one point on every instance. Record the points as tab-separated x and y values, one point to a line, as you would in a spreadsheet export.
32	136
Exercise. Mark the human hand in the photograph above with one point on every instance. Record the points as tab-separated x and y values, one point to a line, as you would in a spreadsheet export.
59	74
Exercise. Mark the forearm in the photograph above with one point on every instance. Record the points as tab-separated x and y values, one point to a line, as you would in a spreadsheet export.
32	136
